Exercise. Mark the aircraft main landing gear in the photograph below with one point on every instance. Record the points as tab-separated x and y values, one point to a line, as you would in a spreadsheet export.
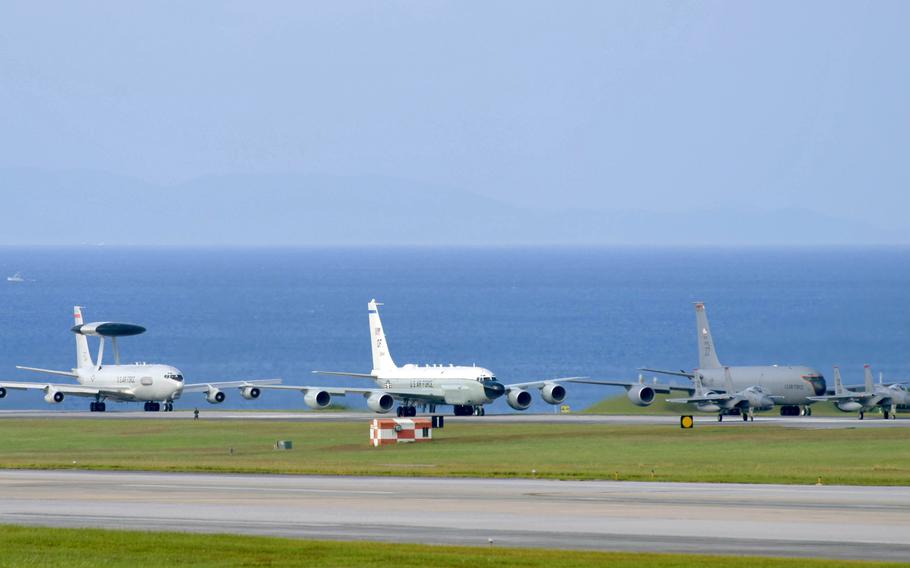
407	411
97	407
468	410
720	417
861	414
152	407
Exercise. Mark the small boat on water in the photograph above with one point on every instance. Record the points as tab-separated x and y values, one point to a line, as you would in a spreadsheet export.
17	277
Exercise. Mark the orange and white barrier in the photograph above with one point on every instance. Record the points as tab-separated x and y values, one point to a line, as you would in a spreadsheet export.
384	431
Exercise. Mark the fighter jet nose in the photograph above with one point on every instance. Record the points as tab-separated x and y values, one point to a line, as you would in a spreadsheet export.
493	389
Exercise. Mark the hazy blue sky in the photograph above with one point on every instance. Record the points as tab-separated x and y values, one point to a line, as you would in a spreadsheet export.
667	107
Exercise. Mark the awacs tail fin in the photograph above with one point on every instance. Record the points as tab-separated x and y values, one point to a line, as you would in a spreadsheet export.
867	375
83	355
382	360
707	356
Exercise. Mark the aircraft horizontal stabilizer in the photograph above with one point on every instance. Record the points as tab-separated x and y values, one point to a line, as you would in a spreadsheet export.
344	374
48	371
679	373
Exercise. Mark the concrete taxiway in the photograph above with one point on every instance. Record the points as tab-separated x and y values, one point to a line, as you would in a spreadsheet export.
814	521
823	422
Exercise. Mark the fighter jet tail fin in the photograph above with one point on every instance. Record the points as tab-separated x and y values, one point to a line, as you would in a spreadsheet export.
83	355
728	381
382	359
707	356
699	387
838	382
867	375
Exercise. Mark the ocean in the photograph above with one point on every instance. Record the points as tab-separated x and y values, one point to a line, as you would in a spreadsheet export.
525	313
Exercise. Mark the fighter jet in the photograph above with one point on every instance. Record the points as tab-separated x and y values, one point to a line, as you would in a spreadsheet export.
887	396
744	402
140	382
467	389
790	386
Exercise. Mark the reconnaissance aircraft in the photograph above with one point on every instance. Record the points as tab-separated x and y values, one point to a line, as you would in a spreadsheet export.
467	389
139	382
887	396
744	402
791	387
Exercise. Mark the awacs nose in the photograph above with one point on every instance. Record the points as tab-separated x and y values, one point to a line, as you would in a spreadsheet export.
493	389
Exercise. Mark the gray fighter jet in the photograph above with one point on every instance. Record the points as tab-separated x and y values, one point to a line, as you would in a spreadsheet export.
744	402
887	396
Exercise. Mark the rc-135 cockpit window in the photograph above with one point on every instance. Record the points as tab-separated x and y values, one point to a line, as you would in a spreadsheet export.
178	378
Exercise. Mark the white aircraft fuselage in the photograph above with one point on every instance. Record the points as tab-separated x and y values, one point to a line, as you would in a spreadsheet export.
445	384
139	382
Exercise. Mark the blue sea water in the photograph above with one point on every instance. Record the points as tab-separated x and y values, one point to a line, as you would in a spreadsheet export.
525	313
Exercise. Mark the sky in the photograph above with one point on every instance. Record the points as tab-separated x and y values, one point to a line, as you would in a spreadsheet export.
663	109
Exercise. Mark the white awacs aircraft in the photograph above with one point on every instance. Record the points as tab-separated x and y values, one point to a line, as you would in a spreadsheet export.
467	389
140	382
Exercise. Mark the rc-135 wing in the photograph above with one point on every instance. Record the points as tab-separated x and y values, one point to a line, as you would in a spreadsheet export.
378	399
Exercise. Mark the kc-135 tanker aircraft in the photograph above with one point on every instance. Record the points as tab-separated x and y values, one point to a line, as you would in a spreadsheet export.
467	389
140	382
793	388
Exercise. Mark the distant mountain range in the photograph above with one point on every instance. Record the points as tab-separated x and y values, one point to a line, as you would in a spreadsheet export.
78	207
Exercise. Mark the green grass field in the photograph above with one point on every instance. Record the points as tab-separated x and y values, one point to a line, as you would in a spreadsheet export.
27	546
620	405
754	453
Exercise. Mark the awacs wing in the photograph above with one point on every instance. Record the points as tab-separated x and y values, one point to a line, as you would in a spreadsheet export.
334	391
543	383
203	387
76	390
658	387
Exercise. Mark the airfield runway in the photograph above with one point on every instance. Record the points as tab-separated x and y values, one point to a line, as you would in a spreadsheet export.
777	520
823	422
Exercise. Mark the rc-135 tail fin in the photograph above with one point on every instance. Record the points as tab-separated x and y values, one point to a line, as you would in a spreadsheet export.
382	360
